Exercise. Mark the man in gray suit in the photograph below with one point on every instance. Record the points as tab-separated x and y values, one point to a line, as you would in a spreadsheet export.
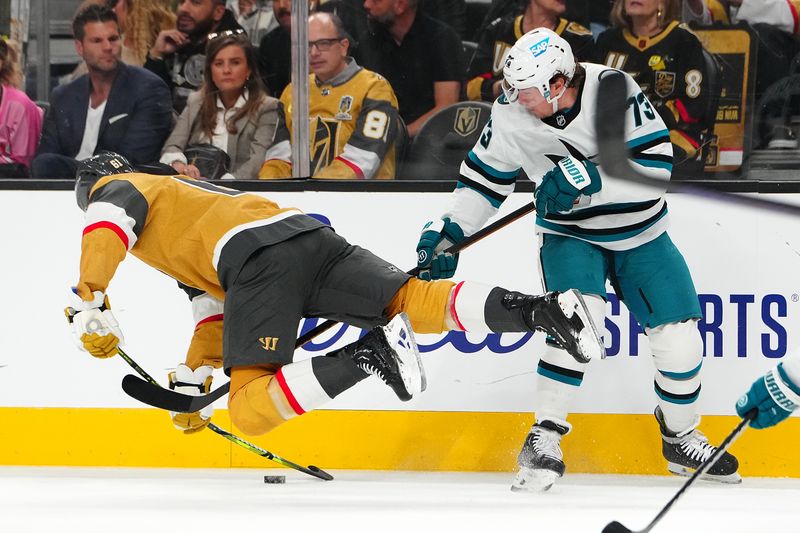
114	107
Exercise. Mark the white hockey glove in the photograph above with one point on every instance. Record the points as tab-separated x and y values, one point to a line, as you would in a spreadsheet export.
94	327
194	383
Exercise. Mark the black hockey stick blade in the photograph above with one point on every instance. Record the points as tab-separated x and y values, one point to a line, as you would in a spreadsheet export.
157	396
616	527
614	154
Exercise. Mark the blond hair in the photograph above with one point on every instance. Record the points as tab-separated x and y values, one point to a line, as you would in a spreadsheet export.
10	71
144	20
669	11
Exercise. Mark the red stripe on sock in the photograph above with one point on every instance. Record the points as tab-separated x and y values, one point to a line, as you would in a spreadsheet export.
288	393
453	307
108	225
211	318
794	16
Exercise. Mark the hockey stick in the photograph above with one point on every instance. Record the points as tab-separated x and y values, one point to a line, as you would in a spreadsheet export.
182	403
614	154
616	527
311	470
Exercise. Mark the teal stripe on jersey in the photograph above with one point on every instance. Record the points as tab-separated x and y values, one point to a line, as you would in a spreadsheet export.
597	238
647	138
653	164
682	375
499	174
559	377
494	201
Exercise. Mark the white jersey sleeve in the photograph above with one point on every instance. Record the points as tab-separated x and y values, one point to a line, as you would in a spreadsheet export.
487	176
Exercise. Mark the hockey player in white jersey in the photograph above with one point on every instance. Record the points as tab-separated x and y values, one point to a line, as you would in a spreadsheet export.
592	228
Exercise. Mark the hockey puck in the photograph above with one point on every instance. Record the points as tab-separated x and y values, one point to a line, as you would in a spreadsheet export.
274	479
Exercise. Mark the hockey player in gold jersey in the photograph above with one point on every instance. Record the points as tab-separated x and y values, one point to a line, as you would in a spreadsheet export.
354	116
254	269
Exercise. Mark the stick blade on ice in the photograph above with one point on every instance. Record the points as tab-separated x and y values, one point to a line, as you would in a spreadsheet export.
616	527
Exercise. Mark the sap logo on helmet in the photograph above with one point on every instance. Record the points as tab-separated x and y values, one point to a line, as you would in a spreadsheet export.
539	48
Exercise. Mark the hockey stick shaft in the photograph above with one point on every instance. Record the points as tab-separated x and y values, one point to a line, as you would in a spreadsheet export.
616	527
456	248
310	470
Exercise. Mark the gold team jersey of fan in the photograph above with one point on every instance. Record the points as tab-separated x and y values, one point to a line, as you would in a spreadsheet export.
195	232
353	127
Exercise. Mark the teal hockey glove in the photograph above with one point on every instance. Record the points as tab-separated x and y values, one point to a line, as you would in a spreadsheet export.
437	236
774	395
561	186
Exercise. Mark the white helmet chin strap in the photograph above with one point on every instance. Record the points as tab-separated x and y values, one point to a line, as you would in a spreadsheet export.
554	99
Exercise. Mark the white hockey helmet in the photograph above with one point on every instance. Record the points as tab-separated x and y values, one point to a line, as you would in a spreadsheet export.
534	60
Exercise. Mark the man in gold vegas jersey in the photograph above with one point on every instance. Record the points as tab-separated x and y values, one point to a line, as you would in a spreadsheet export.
353	113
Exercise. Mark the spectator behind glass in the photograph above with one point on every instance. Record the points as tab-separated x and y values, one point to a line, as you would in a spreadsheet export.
667	62
353	111
777	29
486	67
115	107
421	58
275	50
140	22
255	16
178	54
20	118
230	111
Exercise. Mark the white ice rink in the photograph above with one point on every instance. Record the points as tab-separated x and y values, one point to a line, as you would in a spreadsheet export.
237	501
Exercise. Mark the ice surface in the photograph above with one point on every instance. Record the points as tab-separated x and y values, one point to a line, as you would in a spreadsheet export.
237	501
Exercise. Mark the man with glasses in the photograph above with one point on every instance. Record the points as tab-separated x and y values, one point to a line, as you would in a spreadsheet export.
178	55
353	111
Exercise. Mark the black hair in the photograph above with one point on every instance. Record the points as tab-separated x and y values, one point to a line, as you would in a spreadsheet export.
91	13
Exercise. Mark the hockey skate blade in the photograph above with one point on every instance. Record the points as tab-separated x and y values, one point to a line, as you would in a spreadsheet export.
400	333
589	340
533	480
680	470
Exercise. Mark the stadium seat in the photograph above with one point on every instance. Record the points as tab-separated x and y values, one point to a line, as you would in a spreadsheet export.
439	148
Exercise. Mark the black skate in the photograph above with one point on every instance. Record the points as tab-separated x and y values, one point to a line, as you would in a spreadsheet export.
565	317
685	452
540	460
390	352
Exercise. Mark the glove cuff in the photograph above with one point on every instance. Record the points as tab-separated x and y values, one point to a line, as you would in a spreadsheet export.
779	388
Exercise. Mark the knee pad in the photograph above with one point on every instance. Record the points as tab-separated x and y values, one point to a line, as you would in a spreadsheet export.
677	349
678	355
425	303
256	403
